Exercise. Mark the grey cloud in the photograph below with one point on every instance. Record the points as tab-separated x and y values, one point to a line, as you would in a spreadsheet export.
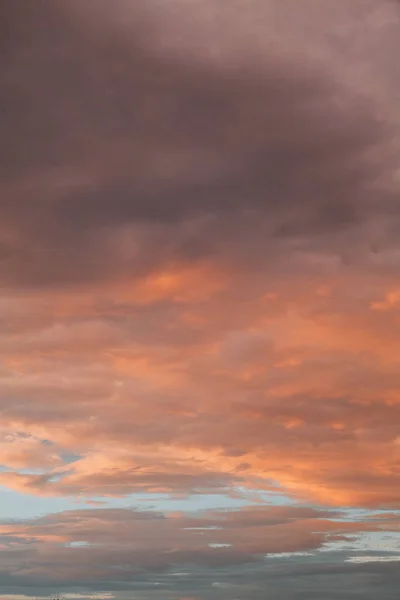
101	132
146	553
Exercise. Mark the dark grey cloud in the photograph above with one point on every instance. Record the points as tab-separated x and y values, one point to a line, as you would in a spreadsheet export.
103	133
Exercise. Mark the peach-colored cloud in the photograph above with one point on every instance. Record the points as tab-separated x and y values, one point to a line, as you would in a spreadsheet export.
25	451
300	387
390	302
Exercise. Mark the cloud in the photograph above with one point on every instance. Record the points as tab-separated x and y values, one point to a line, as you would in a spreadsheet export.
129	549
369	559
97	596
151	155
304	382
199	271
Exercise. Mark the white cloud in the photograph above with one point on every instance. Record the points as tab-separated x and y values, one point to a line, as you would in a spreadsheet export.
368	559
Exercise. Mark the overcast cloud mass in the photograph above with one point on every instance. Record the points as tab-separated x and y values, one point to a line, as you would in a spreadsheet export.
200	299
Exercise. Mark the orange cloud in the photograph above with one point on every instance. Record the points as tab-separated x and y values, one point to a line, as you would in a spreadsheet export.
304	392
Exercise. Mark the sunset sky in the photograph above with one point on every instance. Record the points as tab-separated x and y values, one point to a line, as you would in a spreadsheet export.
200	299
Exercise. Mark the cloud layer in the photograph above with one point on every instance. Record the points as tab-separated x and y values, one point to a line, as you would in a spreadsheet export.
141	551
199	265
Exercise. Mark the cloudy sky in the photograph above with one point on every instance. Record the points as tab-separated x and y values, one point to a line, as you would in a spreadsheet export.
200	299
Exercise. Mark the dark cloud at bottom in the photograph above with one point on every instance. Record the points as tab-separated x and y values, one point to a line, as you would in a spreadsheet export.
243	554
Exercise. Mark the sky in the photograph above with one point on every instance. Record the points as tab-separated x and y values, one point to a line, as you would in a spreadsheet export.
200	299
